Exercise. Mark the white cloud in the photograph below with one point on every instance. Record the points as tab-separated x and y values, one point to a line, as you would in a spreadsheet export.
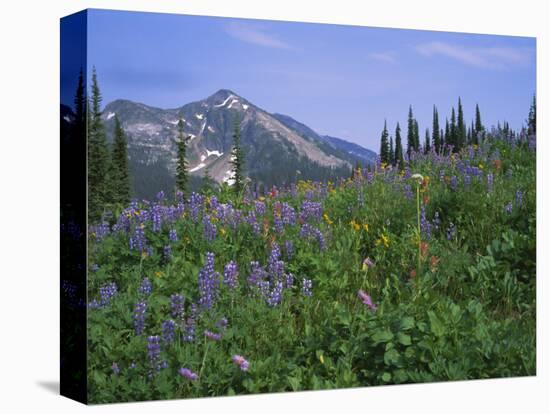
384	57
256	35
481	57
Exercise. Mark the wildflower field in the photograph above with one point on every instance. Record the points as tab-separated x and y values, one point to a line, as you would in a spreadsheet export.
389	277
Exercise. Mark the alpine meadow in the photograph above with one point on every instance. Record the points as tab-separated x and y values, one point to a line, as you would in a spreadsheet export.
232	249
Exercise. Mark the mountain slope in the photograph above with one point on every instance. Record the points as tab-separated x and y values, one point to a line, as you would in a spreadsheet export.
276	152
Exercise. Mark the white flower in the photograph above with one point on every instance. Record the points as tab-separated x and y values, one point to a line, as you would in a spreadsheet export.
417	177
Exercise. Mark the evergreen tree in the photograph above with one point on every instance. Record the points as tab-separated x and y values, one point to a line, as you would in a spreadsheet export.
237	159
410	133
461	127
473	135
182	177
98	157
479	129
207	182
436	138
442	140
416	136
532	118
427	142
80	108
452	131
384	146
120	174
398	148
392	152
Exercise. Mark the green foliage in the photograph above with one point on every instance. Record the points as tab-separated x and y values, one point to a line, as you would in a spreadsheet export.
181	166
120	174
237	160
99	187
468	311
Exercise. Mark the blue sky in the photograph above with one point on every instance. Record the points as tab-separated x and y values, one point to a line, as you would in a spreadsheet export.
339	80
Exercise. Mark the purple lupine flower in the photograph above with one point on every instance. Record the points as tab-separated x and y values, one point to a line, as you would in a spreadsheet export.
209	281
187	373
467	181
145	288
101	230
278	223
308	231
257	274
176	305
436	221
289	280
240	362
107	292
115	368
160	196
153	353
519	198
95	267
252	221
425	225
490	180
168	331
451	231
195	205
259	206
173	235
289	249
231	275
167	253
307	285
276	267
366	299
288	214
213	336
276	295
214	203
156	217
408	192
137	239
509	208
222	323
441	175
209	228
454	183
311	210
139	317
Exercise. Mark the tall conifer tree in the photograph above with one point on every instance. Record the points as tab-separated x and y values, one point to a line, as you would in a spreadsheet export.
452	131
399	147
98	157
181	167
384	146
427	142
532	118
237	159
461	127
436	138
120	175
391	152
410	133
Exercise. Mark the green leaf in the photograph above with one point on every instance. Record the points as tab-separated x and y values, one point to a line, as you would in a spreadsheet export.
386	377
294	383
406	323
436	326
382	336
391	357
404	339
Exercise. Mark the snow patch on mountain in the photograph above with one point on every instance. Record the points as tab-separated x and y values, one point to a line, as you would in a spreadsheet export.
215	152
67	118
211	129
110	115
198	167
232	102
224	102
245	107
199	116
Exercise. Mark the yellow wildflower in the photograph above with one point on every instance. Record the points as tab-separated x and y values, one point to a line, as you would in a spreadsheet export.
222	231
158	273
354	225
366	226
327	219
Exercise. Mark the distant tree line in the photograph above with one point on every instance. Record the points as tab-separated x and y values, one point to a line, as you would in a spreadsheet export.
455	136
